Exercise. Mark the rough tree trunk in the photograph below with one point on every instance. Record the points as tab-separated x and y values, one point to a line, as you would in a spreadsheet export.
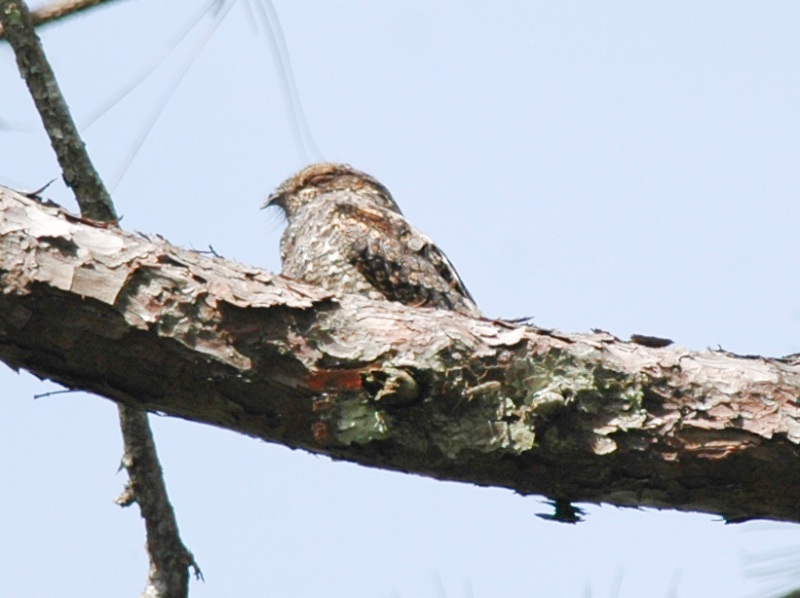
575	417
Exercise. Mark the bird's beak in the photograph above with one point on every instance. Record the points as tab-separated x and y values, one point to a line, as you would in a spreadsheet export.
275	199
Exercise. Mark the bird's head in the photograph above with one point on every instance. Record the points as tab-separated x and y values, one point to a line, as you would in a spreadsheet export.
322	178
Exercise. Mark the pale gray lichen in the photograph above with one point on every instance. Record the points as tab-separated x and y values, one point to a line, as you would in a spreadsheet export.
360	421
602	402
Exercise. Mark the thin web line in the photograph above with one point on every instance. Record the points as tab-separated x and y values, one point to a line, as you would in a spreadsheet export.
165	97
147	70
280	53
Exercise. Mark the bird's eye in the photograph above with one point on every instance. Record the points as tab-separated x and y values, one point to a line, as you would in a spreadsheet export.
318	180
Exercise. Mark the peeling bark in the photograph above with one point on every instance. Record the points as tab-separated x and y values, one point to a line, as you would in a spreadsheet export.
575	417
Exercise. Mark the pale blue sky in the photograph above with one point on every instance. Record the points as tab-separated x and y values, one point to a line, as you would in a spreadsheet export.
623	165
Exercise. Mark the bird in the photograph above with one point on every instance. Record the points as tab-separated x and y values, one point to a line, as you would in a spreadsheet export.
346	233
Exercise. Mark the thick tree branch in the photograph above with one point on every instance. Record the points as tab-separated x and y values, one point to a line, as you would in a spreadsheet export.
574	417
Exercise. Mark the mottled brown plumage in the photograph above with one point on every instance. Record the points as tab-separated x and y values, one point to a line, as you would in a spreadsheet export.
347	234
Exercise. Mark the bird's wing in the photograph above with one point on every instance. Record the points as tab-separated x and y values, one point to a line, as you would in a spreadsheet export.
404	264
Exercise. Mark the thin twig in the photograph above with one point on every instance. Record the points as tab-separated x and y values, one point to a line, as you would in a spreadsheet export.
54	392
58	10
170	560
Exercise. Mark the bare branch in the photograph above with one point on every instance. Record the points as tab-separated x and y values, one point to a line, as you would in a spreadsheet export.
170	559
58	10
575	417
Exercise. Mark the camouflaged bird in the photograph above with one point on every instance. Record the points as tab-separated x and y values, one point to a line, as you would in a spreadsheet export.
347	234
